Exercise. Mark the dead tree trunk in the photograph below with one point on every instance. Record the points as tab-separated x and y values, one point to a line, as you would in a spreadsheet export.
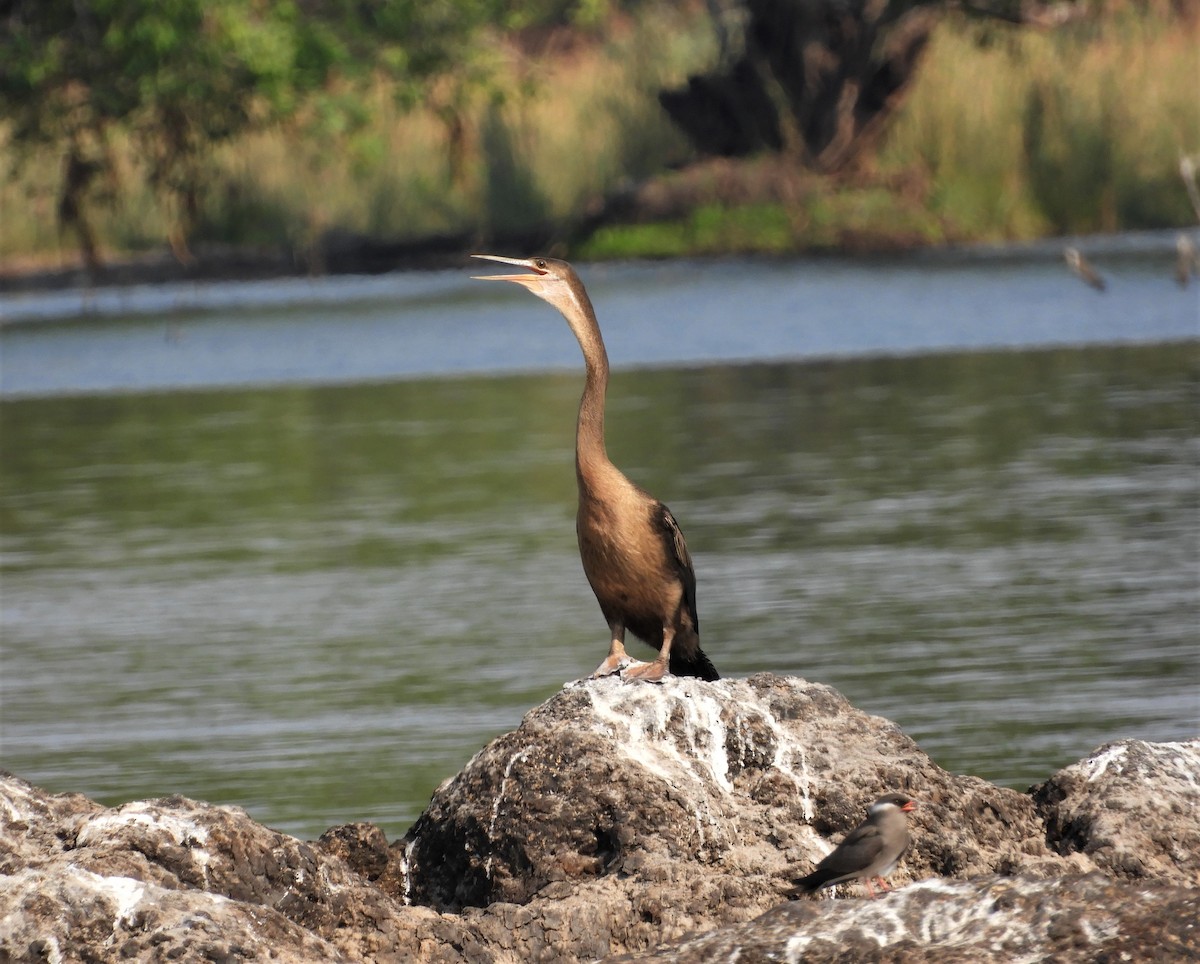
78	175
814	78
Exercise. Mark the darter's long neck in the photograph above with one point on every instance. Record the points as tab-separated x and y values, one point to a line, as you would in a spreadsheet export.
590	455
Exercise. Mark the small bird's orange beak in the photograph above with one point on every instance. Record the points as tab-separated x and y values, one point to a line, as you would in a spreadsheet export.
530	281
910	806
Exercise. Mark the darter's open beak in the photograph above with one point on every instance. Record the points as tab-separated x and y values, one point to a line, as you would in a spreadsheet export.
528	280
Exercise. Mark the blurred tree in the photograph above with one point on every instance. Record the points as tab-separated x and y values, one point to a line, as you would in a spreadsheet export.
817	80
178	76
814	79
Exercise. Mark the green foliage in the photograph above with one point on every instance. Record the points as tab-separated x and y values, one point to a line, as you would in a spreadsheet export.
709	229
826	219
180	76
267	123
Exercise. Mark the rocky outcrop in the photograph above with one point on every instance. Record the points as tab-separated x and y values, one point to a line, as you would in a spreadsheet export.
170	879
1000	919
1133	808
623	819
739	782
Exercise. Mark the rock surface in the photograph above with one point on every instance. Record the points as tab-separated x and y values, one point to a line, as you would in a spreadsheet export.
1132	807
623	819
1076	918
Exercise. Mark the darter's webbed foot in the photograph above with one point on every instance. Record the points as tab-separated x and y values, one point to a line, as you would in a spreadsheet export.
646	672
615	663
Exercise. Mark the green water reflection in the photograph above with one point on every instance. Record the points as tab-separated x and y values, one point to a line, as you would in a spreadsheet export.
318	602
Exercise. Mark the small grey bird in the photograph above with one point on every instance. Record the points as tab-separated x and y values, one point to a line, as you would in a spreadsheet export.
1187	260
870	851
1079	264
1187	170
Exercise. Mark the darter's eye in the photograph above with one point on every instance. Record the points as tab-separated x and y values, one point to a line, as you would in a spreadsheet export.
540	262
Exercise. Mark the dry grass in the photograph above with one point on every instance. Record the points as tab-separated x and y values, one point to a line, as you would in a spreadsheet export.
1024	133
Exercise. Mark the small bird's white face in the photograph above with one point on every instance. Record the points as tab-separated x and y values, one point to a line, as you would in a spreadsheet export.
894	802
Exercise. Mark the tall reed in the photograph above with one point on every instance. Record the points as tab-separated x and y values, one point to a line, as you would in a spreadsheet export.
1024	133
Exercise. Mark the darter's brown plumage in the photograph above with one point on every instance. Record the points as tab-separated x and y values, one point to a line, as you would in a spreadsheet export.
633	553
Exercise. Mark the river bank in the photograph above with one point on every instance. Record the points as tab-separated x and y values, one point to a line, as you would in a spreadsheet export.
344	255
1006	134
712	209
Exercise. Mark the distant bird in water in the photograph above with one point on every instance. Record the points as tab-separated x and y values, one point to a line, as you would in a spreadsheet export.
1187	260
1079	264
870	851
1187	171
633	553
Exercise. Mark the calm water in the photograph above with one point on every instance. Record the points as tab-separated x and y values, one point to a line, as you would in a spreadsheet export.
285	546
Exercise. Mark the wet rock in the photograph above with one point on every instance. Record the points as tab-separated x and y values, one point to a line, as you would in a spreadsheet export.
681	786
176	879
618	818
1075	918
62	912
365	850
1131	807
